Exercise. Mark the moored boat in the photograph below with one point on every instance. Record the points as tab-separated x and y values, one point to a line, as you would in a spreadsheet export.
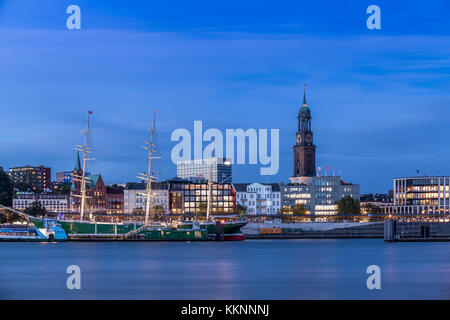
38	230
192	230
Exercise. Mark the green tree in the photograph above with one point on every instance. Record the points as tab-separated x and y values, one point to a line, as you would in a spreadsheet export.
299	209
6	189
23	187
239	209
36	209
370	208
348	206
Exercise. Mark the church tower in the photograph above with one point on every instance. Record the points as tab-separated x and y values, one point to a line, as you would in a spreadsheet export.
304	149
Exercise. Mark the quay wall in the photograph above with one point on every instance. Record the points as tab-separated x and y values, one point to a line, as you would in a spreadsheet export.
315	230
421	231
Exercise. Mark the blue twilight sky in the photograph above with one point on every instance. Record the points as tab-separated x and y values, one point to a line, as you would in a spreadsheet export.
379	98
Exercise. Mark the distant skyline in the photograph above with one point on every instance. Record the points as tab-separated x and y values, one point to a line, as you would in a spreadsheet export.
380	99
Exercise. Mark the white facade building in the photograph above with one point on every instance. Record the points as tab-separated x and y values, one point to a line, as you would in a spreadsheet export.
51	202
135	197
259	198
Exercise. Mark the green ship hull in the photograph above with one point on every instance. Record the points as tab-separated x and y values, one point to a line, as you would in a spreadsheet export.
172	234
185	231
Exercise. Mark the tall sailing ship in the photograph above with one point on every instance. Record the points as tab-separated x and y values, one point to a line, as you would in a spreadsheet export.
86	228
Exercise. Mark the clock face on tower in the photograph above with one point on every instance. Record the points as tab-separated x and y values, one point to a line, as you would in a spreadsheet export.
309	138
299	139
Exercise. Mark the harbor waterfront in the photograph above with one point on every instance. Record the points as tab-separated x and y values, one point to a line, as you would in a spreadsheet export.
261	269
225	159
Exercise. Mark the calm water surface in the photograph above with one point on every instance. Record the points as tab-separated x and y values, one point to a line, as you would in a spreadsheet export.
253	269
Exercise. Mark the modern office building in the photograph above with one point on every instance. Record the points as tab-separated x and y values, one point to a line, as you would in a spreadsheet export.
216	169
135	197
55	203
420	196
38	178
191	196
259	198
318	194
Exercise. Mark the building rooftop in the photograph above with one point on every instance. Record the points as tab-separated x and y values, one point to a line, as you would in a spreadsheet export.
307	181
114	190
422	177
142	186
28	167
376	197
214	160
242	187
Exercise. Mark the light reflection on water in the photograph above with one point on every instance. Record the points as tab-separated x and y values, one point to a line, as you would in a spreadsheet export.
258	269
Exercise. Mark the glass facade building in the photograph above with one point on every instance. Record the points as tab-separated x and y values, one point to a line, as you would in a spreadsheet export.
216	169
420	196
191	196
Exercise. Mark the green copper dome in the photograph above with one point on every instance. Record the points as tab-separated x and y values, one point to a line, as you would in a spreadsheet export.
304	111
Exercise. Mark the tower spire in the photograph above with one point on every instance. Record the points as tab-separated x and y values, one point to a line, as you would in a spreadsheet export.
304	95
78	162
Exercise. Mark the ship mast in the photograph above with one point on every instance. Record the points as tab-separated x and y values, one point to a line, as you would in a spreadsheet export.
208	209
86	151
147	177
